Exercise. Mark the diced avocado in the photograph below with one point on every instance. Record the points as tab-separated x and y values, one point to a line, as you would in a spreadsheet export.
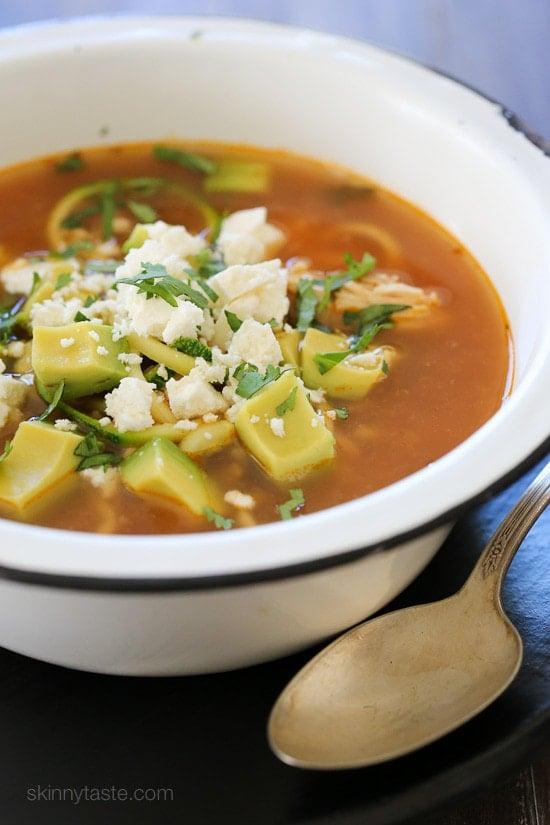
136	238
290	344
161	469
40	457
208	438
306	442
350	379
88	365
161	353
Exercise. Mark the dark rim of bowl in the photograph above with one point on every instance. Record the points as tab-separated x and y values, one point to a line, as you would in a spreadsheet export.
210	582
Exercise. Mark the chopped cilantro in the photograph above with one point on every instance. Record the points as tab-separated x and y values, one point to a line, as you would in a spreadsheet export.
252	381
370	320
103	267
219	521
342	413
385	367
294	503
288	404
108	210
307	303
52	406
188	160
72	163
206	264
71	250
6	451
92	453
77	218
63	280
142	211
79	317
155	281
192	347
234	322
208	291
355	269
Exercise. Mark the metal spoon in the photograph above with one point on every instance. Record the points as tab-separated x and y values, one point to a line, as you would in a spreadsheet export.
398	682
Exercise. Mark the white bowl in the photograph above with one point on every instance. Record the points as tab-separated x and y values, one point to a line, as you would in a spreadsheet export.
207	602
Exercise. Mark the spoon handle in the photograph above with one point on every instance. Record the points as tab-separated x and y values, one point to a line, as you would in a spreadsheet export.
505	542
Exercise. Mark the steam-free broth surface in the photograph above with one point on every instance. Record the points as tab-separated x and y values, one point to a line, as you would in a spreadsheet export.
449	375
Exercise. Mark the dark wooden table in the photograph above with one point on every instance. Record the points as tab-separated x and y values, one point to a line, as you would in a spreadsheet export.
499	46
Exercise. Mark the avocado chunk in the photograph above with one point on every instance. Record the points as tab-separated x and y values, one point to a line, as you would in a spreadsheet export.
40	457
89	365
208	438
352	378
136	238
161	353
161	469
290	344
305	443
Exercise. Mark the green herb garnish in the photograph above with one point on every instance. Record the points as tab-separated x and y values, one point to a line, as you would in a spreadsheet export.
108	207
71	250
192	347
288	404
205	264
342	413
385	367
188	160
63	280
355	270
103	267
72	163
252	381
307	303
52	406
370	320
234	322
219	521
294	503
155	281
6	451
77	218
92	453
142	211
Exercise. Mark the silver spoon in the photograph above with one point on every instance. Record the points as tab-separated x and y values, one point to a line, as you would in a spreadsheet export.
398	682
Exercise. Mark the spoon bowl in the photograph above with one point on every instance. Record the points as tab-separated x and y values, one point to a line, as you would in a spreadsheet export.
400	681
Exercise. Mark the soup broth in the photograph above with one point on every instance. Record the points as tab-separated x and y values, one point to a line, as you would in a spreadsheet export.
444	362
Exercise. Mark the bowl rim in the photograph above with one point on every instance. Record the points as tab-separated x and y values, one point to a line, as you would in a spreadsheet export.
89	580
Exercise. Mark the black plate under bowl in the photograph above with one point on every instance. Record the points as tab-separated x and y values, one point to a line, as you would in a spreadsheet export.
204	737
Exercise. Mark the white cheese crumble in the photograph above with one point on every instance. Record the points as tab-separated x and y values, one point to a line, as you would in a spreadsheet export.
242	501
257	291
94	334
162	372
186	424
65	343
192	396
256	344
16	349
254	419
12	395
277	427
105	421
102	350
18	276
65	425
100	478
54	313
130	358
210	418
129	405
247	238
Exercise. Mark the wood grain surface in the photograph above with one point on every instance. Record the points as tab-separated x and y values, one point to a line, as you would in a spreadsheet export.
500	46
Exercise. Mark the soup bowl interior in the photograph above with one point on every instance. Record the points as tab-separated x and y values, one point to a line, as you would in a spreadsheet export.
436	143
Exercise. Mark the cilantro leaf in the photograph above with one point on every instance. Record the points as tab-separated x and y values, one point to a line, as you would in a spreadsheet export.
355	269
294	503
154	281
342	413
288	404
56	398
385	367
92	453
188	160
234	322
71	163
71	250
63	280
103	267
6	451
307	303
206	264
371	321
219	521
252	381
142	211
77	218
192	347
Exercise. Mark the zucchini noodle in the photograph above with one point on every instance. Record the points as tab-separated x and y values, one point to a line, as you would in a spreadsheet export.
68	203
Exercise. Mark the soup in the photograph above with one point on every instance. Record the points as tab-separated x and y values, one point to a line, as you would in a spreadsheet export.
201	337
